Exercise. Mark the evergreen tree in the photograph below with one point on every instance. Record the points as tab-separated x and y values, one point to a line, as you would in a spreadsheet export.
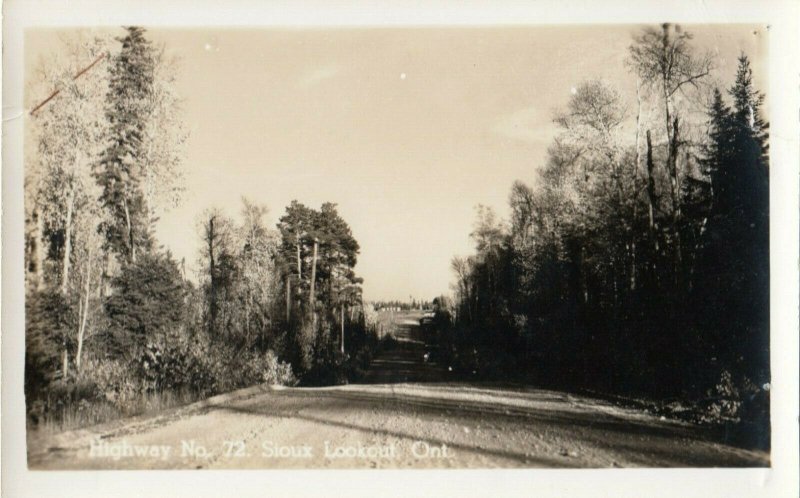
338	253
749	221
149	300
718	151
120	170
47	338
749	142
734	270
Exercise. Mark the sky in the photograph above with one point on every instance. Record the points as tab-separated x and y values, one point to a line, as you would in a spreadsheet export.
405	129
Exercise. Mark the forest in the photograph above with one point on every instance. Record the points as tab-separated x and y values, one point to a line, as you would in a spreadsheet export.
635	264
638	263
114	325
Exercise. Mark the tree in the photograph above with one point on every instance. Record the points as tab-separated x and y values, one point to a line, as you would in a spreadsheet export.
69	134
149	299
62	212
260	279
321	242
461	268
49	321
88	137
164	138
140	167
735	255
664	61
121	169
217	265
305	231
294	227
240	277
339	251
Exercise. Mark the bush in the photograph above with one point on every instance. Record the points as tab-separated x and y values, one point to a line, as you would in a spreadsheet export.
112	380
732	401
329	369
251	368
274	371
178	361
175	361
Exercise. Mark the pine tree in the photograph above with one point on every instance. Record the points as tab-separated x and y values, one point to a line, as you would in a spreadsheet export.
120	170
734	285
747	102
750	219
749	143
718	151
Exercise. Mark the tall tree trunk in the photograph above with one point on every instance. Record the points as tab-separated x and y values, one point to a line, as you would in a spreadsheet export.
651	192
105	278
129	224
82	329
342	328
666	67
288	298
582	273
39	250
671	125
312	297
633	265
299	262
672	158
212	305
469	303
636	167
67	243
247	314
65	362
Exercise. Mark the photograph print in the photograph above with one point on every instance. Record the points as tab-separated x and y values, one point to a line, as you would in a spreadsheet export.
397	247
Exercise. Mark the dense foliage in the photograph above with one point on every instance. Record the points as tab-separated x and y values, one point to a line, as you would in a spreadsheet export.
639	264
113	323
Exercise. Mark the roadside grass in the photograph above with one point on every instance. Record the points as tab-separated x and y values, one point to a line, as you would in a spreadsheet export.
69	415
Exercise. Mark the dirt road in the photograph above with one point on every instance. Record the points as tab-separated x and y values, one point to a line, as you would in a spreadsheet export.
404	416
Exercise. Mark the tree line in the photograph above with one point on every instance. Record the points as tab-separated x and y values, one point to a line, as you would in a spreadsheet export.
639	262
396	304
112	319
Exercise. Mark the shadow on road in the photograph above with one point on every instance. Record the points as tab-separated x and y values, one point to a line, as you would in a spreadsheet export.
347	404
660	443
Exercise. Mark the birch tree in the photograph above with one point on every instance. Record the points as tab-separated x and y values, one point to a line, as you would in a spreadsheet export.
68	132
666	63
68	128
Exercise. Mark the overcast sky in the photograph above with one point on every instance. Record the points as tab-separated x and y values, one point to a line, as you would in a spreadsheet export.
405	129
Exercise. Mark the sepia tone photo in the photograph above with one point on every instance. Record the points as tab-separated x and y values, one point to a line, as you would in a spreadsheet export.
397	247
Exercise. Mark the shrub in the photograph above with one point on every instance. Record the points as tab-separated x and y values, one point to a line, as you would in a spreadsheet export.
113	380
275	371
732	401
175	361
